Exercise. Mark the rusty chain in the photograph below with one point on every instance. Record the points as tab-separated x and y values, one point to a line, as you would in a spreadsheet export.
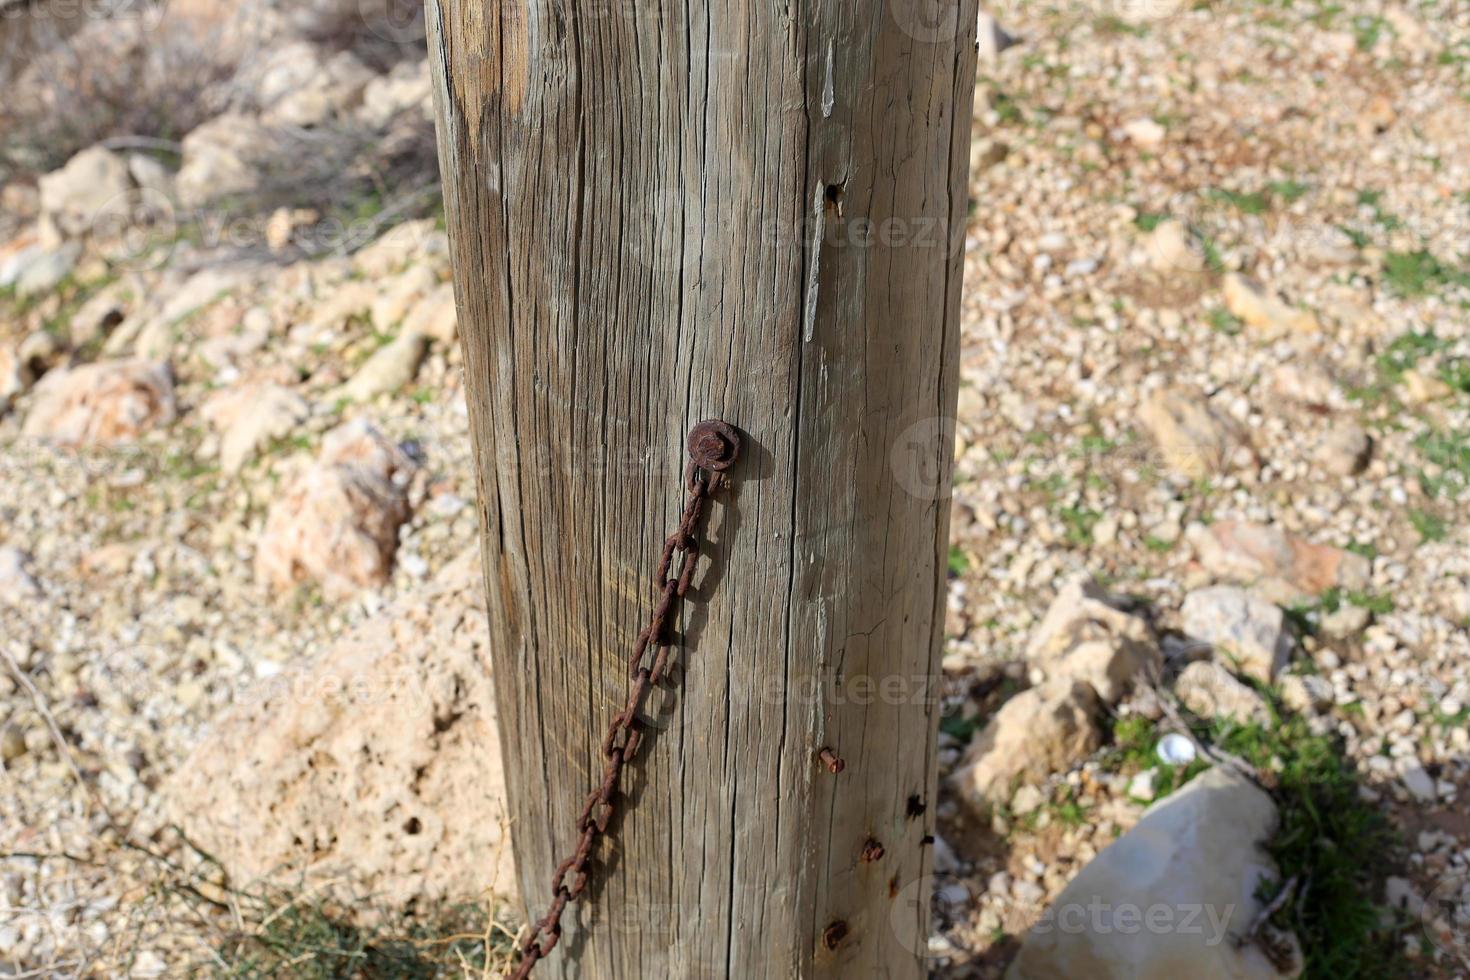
713	448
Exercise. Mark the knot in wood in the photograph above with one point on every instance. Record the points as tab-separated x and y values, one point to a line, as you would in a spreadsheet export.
714	445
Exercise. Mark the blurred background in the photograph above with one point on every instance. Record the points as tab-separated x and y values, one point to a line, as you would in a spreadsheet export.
1212	469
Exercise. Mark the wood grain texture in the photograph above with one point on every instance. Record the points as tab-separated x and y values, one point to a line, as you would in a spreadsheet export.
665	212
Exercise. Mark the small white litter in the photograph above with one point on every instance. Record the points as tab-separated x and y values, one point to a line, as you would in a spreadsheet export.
1176	750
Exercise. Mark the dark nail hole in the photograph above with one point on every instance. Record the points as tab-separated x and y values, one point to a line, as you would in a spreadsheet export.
915	806
413	826
835	194
834	934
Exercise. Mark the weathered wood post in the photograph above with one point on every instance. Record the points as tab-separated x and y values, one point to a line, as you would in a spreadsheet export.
667	212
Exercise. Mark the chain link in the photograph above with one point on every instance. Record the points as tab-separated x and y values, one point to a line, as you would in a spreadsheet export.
713	448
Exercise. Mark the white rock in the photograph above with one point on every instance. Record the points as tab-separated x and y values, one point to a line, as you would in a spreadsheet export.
401	295
1246	629
1194	438
16	584
435	316
373	768
45	271
1144	132
1171	248
1210	691
250	418
1306	692
1419	783
337	523
1345	449
1038	732
102	404
1264	310
1027	799
74	195
405	89
1141	786
1085	636
14	376
389	369
1167	898
220	159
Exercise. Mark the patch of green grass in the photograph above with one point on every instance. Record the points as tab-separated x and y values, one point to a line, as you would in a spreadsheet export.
1429	526
1334	599
1246	202
1329	836
1336	846
1223	321
960	728
1455	372
1068	811
311	939
1289	191
1115	25
1368	31
1413	274
959	562
1135	742
1080	522
1148	221
1405	353
1449	452
1157	545
1214	261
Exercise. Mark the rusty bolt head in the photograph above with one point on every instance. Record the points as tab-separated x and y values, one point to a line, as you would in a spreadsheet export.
872	851
834	934
831	761
714	445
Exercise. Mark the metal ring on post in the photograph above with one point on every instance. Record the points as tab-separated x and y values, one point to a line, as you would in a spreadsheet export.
714	445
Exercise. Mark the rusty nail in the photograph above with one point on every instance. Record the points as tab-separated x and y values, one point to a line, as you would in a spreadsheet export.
714	445
872	851
834	934
831	761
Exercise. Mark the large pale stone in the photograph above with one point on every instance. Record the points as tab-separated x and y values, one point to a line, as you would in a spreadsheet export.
1211	691
102	404
337	523
1172	249
14	378
1086	637
390	368
1276	565
74	195
249	418
16	583
435	317
372	769
1170	898
1245	628
220	159
1038	732
1264	310
1194	438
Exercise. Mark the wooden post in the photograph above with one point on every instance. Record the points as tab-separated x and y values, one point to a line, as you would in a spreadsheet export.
666	212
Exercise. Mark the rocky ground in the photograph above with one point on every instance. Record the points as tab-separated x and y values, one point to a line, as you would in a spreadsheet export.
1214	457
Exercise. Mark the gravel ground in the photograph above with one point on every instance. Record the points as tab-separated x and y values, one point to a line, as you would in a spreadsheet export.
1127	165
